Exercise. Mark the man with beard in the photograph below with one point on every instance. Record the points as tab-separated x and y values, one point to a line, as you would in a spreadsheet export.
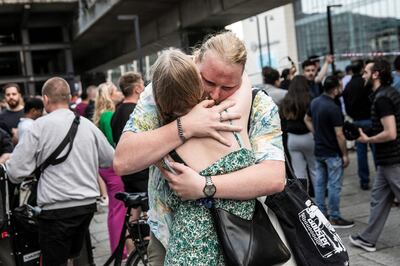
15	109
314	78
385	116
358	107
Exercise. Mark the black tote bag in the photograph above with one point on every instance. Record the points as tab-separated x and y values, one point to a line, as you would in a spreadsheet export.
311	237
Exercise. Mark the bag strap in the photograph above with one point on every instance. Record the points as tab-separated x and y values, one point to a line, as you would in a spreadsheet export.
69	138
289	169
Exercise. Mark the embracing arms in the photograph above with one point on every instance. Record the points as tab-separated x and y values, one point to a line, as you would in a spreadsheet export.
137	151
264	178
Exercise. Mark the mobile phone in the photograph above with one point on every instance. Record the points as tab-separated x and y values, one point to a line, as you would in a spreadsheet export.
290	60
168	166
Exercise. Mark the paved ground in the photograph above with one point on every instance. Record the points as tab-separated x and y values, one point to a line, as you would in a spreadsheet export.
354	205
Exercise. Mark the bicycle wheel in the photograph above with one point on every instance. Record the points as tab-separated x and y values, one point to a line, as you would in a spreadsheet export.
135	259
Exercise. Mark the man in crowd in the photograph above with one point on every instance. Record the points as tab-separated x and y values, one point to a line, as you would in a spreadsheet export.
33	109
15	109
220	80
131	85
310	71
272	84
358	107
385	115
67	191
325	120
89	110
81	107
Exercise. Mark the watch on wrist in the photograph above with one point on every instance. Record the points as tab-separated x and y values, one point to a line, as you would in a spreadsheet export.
209	189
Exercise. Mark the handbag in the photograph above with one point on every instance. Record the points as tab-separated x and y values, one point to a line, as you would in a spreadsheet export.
312	239
249	242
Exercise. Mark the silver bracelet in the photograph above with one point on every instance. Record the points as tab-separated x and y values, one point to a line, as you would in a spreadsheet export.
180	129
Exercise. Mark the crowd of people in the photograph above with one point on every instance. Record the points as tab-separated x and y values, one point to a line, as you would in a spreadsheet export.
313	111
195	136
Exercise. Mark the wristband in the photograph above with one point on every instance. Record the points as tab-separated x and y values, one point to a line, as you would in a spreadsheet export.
180	130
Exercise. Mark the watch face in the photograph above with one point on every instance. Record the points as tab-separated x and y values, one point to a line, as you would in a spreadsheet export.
209	190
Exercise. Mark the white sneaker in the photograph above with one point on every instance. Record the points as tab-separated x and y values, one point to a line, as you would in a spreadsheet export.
361	243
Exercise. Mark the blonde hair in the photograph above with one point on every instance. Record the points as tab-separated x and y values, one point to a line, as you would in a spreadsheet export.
226	45
176	85
57	90
103	101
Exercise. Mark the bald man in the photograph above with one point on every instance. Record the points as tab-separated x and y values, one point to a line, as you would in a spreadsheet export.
67	191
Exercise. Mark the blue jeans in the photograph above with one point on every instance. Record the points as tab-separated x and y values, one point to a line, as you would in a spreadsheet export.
362	153
329	175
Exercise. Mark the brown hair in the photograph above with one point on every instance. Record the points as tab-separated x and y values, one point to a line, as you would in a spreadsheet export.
176	85
10	85
226	45
296	102
128	81
57	90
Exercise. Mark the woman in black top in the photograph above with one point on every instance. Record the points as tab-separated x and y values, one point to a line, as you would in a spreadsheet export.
300	140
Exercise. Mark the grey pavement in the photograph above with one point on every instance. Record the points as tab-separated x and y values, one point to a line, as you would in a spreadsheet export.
354	205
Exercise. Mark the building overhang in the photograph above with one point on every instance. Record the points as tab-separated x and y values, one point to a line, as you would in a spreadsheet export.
101	41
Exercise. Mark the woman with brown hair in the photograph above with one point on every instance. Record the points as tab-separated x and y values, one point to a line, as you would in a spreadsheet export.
293	108
177	88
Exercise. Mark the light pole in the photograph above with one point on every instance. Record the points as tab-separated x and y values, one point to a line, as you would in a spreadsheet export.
267	35
135	19
259	42
330	37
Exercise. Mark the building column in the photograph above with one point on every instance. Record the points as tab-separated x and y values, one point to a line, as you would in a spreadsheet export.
28	67
69	65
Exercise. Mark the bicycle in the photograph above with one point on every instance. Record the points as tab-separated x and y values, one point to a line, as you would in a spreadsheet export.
137	230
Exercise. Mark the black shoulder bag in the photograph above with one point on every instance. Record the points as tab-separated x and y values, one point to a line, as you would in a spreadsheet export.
312	239
25	215
249	242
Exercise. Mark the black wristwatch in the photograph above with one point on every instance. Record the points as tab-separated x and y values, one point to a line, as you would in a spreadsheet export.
209	189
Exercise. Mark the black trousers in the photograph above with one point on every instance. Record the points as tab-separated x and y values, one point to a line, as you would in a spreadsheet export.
62	232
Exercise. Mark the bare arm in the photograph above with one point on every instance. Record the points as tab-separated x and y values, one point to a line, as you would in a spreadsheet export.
130	158
342	145
201	121
265	178
389	132
308	122
324	69
4	157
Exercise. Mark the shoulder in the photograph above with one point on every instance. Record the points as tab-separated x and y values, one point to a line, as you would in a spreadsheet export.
144	117
264	109
106	114
262	97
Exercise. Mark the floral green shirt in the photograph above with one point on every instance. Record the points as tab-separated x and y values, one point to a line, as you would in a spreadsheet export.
265	137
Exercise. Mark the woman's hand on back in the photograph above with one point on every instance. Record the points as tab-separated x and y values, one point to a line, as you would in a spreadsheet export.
206	120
